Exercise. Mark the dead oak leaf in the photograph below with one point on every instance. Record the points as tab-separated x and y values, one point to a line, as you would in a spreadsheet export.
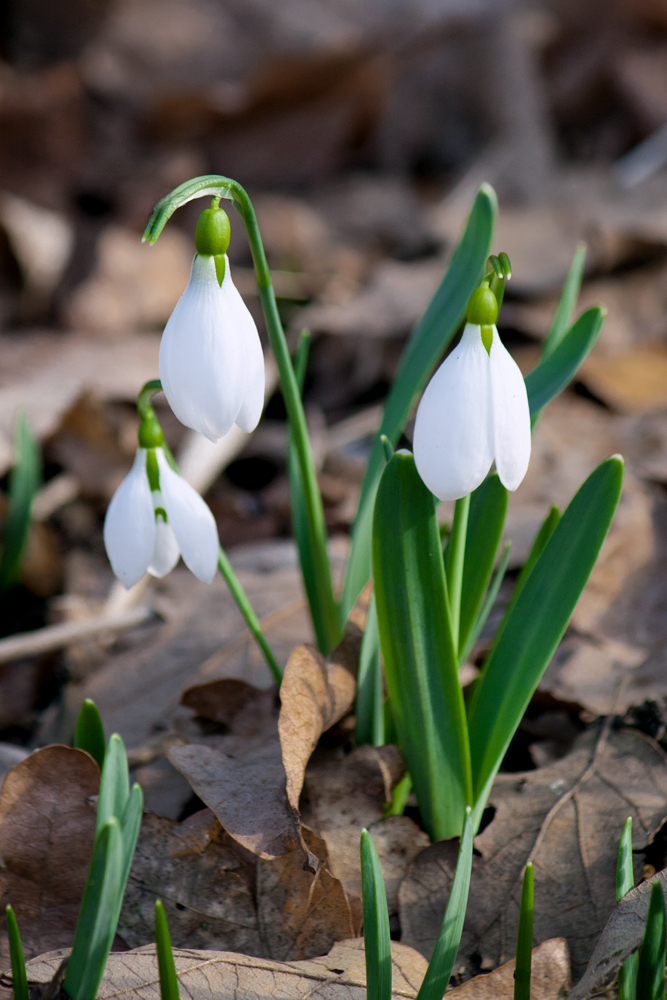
47	828
549	977
567	819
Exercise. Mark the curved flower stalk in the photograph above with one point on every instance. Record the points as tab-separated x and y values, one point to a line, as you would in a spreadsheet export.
474	410
155	516
211	360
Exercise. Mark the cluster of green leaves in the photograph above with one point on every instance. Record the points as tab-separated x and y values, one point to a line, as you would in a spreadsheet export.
642	975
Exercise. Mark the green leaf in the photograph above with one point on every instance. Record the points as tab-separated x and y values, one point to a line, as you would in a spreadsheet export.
399	796
651	971
524	941
568	301
24	482
625	881
165	956
537	622
114	784
377	941
488	509
370	695
421	665
96	926
130	823
19	977
487	606
442	961
558	369
89	734
431	336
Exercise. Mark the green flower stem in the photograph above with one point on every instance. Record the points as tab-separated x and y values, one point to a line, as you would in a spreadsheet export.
224	187
246	609
144	407
454	554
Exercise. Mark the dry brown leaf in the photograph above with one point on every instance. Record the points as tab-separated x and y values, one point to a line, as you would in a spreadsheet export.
567	819
210	975
300	915
47	827
244	709
549	978
630	381
314	695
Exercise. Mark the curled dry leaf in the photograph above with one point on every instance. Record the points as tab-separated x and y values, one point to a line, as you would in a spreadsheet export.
209	975
47	827
567	819
244	709
549	977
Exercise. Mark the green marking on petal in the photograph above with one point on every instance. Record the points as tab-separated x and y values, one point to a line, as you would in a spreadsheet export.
161	512
487	337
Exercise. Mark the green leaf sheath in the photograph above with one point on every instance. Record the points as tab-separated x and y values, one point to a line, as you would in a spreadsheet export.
370	695
537	622
24	481
114	785
225	187
89	735
651	972
488	509
421	665
558	369
96	927
165	956
377	941
524	941
568	300
625	881
442	961
431	336
19	976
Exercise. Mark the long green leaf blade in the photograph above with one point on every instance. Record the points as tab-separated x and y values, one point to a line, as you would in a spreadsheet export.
524	941
568	301
370	701
651	972
421	665
89	735
114	784
558	369
377	940
19	976
24	481
442	961
432	334
537	622
96	926
165	956
625	881
489	601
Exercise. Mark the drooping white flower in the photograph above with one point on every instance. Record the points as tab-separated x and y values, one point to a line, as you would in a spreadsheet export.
211	360
146	529
474	410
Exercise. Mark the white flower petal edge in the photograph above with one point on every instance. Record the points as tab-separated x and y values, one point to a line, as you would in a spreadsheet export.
129	525
166	552
453	438
236	312
192	522
202	358
511	416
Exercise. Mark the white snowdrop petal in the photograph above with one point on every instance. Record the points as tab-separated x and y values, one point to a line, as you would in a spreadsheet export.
237	313
453	442
192	522
165	549
511	416
202	360
129	525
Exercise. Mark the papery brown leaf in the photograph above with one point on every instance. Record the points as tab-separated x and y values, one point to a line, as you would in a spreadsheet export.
549	977
314	695
212	975
301	915
47	828
567	819
245	709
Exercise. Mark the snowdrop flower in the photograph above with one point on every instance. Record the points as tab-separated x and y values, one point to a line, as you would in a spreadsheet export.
474	410
211	360
155	516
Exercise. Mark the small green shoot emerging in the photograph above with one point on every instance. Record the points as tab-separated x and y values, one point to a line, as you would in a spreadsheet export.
524	943
651	972
89	734
19	977
165	956
625	880
377	941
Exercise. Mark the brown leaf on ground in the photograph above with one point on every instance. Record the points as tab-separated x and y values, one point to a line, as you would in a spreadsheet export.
567	819
300	915
549	978
314	695
209	975
47	826
204	882
244	709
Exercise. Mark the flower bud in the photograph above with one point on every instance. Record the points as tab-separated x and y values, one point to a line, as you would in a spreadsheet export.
212	232
482	307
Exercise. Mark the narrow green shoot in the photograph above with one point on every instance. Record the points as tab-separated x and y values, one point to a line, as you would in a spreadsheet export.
651	971
377	941
524	941
399	796
114	784
370	694
19	977
165	956
24	482
625	880
89	735
442	961
568	301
